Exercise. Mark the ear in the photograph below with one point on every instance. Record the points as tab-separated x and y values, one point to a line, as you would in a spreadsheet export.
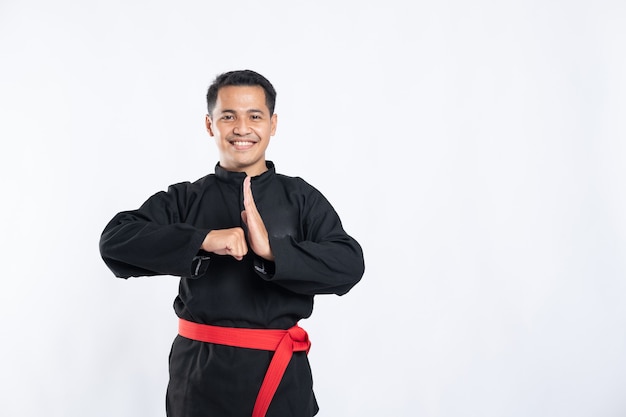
209	125
273	122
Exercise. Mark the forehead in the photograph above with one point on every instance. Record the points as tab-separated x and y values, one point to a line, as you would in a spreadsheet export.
241	98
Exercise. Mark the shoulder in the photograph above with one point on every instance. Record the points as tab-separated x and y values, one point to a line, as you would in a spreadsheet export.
192	187
185	191
308	196
296	184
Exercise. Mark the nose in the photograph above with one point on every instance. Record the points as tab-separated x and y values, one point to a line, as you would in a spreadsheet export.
241	127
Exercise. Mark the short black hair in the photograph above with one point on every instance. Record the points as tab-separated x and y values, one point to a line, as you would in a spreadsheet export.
241	78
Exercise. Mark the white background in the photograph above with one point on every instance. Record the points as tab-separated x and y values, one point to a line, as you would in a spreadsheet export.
475	149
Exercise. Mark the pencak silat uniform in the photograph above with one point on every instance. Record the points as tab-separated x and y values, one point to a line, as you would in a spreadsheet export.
313	255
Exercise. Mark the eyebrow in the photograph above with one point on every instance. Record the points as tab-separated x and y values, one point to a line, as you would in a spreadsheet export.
247	111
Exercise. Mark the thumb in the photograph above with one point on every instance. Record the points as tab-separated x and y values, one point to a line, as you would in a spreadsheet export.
244	217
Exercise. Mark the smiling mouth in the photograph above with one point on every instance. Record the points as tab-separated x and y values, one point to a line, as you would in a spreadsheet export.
242	145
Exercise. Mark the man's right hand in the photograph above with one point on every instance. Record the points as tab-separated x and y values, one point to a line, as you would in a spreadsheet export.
226	242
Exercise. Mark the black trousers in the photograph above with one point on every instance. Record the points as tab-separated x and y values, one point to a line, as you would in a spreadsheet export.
208	380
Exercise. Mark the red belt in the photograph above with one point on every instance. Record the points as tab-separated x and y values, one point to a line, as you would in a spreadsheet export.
282	342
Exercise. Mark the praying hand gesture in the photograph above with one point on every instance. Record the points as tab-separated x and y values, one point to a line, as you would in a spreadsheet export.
233	241
257	233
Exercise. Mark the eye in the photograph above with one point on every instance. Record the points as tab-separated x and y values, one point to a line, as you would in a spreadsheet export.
256	117
227	117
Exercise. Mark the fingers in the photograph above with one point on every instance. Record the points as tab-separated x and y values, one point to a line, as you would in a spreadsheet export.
233	241
257	233
248	198
250	215
226	242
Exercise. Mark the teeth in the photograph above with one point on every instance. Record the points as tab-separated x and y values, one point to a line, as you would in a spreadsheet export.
239	143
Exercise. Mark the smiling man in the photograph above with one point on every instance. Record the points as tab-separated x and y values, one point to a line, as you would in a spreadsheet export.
252	248
241	122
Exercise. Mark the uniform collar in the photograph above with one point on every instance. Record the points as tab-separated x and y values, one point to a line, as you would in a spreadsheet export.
238	177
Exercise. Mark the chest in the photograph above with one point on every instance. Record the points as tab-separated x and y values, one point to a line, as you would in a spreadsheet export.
221	207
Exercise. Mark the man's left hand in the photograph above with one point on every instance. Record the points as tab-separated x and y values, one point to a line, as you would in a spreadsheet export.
258	238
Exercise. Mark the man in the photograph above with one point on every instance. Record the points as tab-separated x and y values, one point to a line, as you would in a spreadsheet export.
252	248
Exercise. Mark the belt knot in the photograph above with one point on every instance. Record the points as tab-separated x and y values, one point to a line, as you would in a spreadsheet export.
300	339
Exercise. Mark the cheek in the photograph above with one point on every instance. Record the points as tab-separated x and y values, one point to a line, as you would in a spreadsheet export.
264	131
221	130
222	145
221	136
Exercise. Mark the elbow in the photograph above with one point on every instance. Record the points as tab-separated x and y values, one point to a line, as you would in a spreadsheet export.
107	253
352	277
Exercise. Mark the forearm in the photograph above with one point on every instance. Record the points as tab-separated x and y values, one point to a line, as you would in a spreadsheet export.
331	267
132	247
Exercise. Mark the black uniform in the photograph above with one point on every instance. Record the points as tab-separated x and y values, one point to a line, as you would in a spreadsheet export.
313	255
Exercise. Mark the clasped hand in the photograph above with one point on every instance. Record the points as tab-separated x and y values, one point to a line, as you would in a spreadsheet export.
233	241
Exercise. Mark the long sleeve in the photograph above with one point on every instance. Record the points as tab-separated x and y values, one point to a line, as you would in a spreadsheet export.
325	260
154	240
330	267
313	254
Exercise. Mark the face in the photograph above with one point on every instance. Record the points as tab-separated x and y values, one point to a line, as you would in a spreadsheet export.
242	126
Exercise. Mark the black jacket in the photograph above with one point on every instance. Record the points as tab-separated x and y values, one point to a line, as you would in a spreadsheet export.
313	255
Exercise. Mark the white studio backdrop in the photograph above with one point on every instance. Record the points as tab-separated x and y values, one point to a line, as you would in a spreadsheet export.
475	149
